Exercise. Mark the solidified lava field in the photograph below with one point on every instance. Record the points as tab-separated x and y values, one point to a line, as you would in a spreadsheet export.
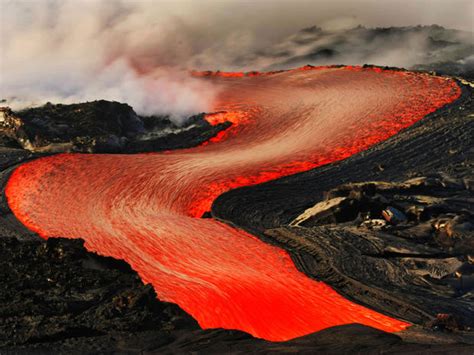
145	208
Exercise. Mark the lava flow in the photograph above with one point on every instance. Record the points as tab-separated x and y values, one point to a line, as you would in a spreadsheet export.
143	208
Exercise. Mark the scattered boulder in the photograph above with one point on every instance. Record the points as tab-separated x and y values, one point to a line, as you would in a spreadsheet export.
329	211
374	224
455	232
436	268
436	209
393	216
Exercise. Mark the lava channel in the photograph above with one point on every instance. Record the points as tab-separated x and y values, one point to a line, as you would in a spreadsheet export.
144	208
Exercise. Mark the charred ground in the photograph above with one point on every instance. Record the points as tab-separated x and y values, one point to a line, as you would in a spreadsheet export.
57	297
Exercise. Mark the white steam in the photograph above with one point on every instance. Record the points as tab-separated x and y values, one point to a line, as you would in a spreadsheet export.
75	51
140	51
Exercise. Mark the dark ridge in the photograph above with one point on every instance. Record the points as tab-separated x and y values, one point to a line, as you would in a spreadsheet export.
99	127
62	122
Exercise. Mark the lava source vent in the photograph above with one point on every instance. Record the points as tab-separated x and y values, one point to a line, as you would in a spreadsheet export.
274	261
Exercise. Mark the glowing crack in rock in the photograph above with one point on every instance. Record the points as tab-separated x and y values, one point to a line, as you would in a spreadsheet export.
144	208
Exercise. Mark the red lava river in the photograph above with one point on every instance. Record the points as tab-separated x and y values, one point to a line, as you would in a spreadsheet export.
145	208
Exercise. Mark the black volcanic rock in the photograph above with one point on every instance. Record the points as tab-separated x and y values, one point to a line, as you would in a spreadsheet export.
419	251
58	298
66	126
196	131
463	68
55	290
98	127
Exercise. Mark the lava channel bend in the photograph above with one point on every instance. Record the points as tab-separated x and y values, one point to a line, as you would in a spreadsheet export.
144	208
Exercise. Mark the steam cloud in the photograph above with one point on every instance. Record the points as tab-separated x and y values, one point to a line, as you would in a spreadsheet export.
73	51
139	52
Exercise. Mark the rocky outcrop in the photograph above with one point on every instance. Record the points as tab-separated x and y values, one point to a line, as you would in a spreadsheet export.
98	127
71	127
436	209
404	247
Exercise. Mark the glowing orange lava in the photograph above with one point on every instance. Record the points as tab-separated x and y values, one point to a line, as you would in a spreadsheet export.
143	208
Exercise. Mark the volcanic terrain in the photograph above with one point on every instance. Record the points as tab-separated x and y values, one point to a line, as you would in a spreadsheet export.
249	267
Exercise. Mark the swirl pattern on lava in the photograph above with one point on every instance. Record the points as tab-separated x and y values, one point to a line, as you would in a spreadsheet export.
145	208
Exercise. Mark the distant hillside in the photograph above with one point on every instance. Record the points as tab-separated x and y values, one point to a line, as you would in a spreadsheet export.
421	47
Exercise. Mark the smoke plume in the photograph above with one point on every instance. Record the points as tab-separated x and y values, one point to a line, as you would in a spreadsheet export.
74	51
140	51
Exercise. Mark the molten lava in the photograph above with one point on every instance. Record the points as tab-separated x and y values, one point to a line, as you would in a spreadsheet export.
143	208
